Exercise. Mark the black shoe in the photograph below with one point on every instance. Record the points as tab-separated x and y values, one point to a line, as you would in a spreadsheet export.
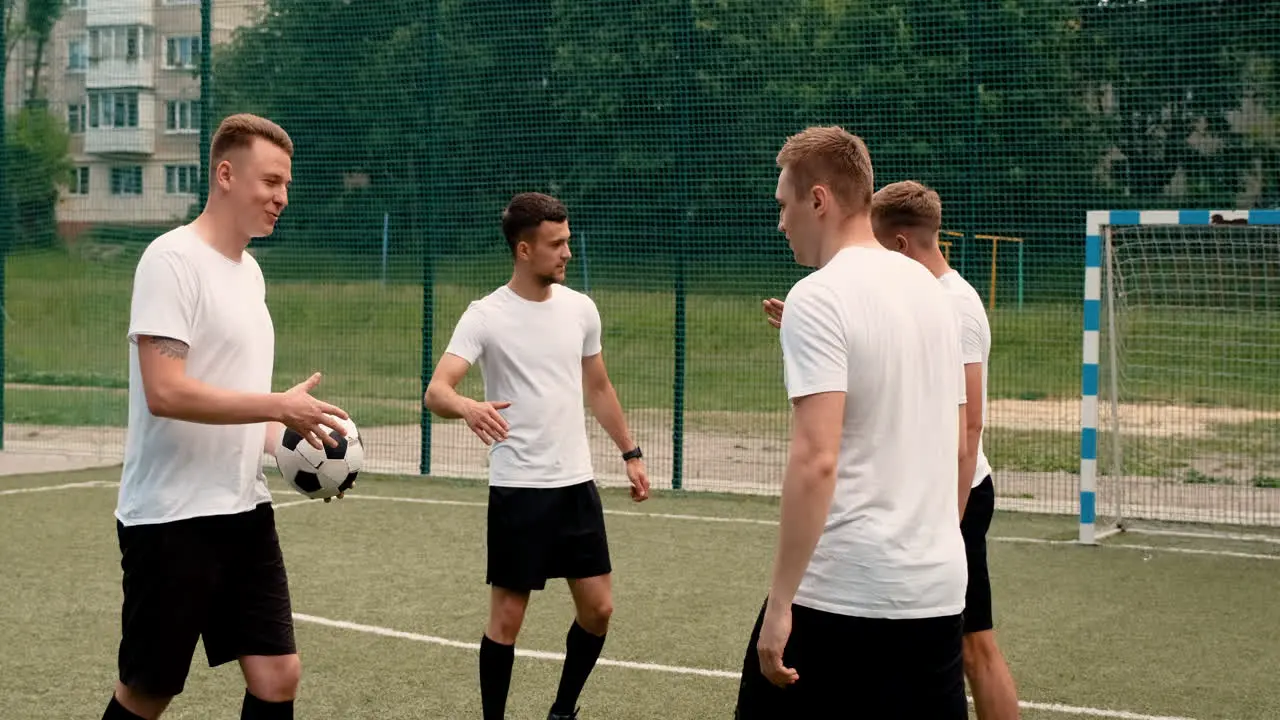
553	715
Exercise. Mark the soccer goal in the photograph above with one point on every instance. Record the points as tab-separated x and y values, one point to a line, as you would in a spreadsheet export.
1180	411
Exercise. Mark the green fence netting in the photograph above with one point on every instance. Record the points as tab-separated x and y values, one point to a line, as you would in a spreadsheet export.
657	123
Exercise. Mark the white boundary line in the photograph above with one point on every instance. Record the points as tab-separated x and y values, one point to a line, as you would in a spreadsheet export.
66	486
1275	539
721	519
679	670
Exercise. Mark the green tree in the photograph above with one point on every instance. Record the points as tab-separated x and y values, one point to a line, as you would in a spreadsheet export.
39	163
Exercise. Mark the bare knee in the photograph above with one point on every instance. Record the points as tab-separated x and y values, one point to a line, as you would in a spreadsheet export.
506	615
594	616
272	678
148	707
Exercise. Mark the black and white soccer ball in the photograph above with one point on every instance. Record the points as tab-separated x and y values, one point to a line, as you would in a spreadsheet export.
320	474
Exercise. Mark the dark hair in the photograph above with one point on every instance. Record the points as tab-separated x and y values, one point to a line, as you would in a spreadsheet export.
526	212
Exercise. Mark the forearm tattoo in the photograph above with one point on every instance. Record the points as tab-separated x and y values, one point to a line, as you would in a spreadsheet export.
169	347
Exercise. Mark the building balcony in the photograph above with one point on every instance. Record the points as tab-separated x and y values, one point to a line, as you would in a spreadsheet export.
126	141
104	13
137	73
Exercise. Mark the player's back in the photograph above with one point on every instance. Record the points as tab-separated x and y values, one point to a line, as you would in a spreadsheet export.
892	546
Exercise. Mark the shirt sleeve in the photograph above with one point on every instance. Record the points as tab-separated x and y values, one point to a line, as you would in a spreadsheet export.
961	352
591	338
971	333
468	337
815	351
164	298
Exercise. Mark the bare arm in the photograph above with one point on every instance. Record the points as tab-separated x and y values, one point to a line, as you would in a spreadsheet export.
807	489
443	399
970	430
171	393
603	400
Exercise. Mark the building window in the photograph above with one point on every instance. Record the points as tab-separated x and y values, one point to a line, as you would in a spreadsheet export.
126	180
113	109
76	4
182	52
75	118
79	181
182	116
181	179
77	54
128	43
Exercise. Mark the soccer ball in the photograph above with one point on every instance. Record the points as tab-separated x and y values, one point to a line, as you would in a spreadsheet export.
323	473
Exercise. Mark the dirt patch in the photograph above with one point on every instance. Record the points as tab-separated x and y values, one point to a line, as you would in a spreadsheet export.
747	452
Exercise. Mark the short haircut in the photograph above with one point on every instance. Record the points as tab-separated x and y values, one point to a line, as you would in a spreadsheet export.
907	205
833	157
526	212
238	132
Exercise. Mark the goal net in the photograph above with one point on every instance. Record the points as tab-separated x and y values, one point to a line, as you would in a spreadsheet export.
1181	377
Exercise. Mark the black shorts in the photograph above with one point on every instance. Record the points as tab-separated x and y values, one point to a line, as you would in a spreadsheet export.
978	613
217	578
864	667
539	533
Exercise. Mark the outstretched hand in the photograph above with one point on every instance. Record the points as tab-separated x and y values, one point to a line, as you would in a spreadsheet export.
307	416
773	311
485	421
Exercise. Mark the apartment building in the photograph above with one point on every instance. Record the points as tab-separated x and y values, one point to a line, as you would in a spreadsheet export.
125	74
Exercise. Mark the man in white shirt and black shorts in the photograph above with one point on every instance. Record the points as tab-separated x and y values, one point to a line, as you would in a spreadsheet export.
906	217
538	345
200	554
864	609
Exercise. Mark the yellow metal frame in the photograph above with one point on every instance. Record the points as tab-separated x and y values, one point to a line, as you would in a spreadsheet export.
995	246
995	240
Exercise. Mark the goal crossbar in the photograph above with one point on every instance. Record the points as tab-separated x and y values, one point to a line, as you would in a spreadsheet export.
1098	223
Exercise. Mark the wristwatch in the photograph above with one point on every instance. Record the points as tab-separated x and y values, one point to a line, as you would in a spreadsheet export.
633	454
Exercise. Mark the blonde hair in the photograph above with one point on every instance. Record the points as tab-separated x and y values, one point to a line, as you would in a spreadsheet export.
830	156
239	131
906	205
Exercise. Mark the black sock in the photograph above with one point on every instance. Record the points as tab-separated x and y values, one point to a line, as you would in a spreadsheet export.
116	711
255	708
496	660
582	649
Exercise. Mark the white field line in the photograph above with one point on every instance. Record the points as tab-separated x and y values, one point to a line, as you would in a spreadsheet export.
694	518
676	669
1275	539
66	486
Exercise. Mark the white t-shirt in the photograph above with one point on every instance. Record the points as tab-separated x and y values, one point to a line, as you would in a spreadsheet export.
878	326
530	355
186	290
975	346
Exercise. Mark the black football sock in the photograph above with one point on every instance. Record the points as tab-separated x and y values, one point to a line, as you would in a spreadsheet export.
255	708
496	660
582	651
116	711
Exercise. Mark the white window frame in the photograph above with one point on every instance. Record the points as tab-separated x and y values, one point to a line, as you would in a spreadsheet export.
103	105
173	112
83	41
79	184
111	42
80	111
122	185
181	179
173	50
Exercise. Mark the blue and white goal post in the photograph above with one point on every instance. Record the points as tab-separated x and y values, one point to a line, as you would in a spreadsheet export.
1098	255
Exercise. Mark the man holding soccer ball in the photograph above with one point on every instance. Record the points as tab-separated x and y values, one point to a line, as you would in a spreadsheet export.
200	554
538	344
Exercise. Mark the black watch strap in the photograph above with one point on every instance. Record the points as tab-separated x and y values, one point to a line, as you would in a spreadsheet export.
632	454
